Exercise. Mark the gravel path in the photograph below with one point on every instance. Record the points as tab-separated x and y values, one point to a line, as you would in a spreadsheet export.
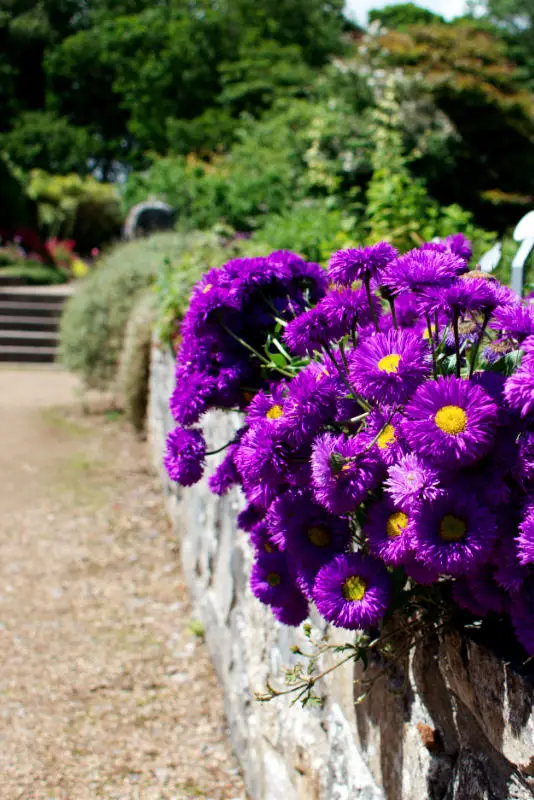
105	690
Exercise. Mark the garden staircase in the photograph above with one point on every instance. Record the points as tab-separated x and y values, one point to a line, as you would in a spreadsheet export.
29	321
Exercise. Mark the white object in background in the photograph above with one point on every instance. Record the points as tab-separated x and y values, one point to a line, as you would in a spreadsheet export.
523	233
490	260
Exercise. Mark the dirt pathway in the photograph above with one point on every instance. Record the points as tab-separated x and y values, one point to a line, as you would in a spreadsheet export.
105	691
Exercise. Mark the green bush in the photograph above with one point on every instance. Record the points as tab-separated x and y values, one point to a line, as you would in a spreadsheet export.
73	207
134	366
313	230
93	325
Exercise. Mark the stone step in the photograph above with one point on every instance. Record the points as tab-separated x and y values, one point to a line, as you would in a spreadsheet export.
37	339
28	355
17	308
29	323
24	295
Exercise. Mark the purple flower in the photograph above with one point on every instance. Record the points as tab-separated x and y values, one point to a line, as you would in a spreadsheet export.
412	481
386	531
190	398
453	534
261	539
266	406
509	574
525	540
353	591
272	583
519	388
388	367
185	455
261	459
226	474
450	422
419	269
457	244
515	320
307	333
313	537
521	612
524	466
478	592
361	263
248	518
341	311
310	401
418	572
462	296
385	432
343	472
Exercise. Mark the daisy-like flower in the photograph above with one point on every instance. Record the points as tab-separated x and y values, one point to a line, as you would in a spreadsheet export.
525	540
457	244
519	388
267	406
385	432
353	591
509	574
185	455
388	367
450	422
515	320
386	529
343	310
226	474
453	534
310	401
360	263
418	572
261	540
307	333
344	470
249	517
261	459
524	465
459	298
191	395
412	481
419	269
272	583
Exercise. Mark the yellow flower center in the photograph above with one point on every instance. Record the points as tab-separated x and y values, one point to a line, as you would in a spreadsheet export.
389	363
451	419
387	437
273	579
396	523
319	536
354	588
207	287
426	333
275	412
267	547
452	529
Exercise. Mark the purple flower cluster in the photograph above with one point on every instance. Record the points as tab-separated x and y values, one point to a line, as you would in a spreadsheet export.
396	439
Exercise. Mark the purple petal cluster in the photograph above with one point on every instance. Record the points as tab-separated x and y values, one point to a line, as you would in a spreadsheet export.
388	445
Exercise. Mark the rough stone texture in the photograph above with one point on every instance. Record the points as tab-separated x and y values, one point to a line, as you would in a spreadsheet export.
452	723
147	217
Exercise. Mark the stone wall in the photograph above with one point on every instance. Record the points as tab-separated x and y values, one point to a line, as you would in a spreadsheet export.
453	723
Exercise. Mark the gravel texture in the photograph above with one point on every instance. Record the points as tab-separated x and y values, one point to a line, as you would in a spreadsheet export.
106	686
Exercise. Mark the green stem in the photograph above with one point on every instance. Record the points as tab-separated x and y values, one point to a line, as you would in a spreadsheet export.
476	348
456	342
367	282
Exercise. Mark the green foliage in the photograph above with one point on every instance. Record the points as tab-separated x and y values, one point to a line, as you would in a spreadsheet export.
134	366
17	210
32	272
42	140
313	230
72	207
468	73
399	208
399	16
95	318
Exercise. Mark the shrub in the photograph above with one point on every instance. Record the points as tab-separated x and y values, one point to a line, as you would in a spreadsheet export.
134	366
92	327
312	230
72	207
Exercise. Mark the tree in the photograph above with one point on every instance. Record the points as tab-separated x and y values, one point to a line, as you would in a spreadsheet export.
399	16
